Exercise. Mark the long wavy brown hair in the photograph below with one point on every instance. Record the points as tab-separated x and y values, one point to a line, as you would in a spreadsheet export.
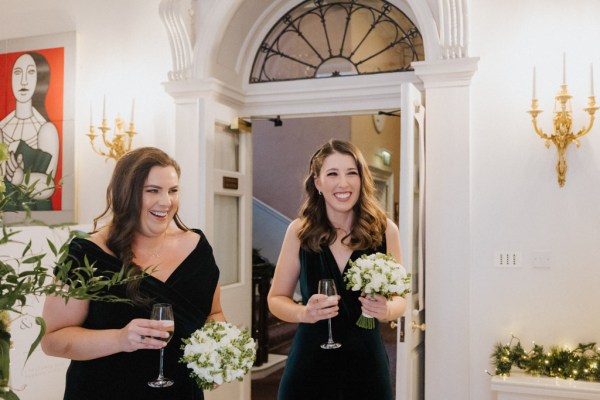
124	205
370	222
38	100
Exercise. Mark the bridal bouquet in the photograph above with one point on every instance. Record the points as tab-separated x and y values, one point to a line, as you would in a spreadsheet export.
377	273
217	353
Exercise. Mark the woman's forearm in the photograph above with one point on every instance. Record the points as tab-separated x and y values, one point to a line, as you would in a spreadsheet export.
286	309
77	343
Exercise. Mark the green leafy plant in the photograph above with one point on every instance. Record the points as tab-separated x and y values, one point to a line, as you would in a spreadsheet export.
26	276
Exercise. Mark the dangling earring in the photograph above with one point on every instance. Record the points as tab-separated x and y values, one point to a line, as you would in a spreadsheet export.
320	194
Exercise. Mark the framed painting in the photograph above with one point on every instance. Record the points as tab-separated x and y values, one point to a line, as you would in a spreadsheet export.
37	119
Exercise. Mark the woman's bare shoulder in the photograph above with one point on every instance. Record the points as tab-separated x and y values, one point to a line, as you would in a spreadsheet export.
391	225
100	238
186	238
295	225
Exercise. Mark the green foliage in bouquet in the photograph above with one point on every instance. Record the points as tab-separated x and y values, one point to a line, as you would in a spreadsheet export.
377	273
218	353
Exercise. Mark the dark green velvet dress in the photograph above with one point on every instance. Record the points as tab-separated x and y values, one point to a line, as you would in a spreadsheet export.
124	376
357	370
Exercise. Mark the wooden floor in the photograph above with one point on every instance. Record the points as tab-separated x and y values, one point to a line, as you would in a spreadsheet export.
266	388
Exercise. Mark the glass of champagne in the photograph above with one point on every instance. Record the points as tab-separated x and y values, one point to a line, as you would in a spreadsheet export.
163	312
327	287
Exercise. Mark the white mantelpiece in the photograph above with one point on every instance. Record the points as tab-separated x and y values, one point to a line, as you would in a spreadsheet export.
519	386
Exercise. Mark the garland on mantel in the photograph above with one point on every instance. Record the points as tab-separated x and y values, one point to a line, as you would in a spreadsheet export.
582	363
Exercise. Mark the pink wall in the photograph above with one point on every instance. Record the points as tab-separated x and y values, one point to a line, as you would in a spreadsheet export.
281	157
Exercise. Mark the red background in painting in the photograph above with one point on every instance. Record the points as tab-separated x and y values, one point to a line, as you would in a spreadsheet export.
54	100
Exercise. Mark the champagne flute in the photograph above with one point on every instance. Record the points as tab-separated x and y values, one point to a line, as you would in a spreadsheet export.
163	312
327	287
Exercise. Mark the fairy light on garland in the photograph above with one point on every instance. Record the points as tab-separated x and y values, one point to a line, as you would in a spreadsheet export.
580	363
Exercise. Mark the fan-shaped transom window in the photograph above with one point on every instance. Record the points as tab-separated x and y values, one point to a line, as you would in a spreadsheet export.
328	38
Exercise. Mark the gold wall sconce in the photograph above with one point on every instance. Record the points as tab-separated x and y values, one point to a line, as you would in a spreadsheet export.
120	141
563	135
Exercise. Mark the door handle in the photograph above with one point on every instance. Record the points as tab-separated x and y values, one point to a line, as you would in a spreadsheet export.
414	326
418	326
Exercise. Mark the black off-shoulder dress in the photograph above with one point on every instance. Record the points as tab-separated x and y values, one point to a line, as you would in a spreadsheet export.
124	376
357	370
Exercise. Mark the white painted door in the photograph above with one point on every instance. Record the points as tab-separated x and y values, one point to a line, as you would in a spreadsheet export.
410	360
232	235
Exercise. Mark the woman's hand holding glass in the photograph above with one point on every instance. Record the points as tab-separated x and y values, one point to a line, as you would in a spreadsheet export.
163	313
327	287
144	334
321	306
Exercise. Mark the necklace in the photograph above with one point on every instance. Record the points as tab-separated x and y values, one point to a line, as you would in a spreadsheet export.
156	253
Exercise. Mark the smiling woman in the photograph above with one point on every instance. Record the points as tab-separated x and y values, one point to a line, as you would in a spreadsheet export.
339	221
339	184
160	202
144	233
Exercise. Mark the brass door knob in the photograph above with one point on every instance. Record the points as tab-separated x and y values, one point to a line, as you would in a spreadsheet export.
418	326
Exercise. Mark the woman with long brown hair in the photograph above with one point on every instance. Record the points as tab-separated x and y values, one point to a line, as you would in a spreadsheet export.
339	221
112	346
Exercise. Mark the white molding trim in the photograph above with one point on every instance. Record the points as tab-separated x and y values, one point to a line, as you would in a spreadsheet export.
339	96
446	40
446	73
453	28
526	387
426	23
177	18
449	38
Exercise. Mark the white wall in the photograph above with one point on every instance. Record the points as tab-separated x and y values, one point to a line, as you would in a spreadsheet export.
516	203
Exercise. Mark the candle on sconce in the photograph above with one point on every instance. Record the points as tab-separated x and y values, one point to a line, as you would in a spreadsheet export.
534	94
563	134
591	80
116	139
564	69
132	109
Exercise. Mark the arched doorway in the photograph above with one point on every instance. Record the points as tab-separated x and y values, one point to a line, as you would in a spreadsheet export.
213	90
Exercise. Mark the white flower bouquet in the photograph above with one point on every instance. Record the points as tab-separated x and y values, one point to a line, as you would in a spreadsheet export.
217	353
373	274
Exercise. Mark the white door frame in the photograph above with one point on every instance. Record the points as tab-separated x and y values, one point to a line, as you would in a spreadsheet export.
410	357
196	39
